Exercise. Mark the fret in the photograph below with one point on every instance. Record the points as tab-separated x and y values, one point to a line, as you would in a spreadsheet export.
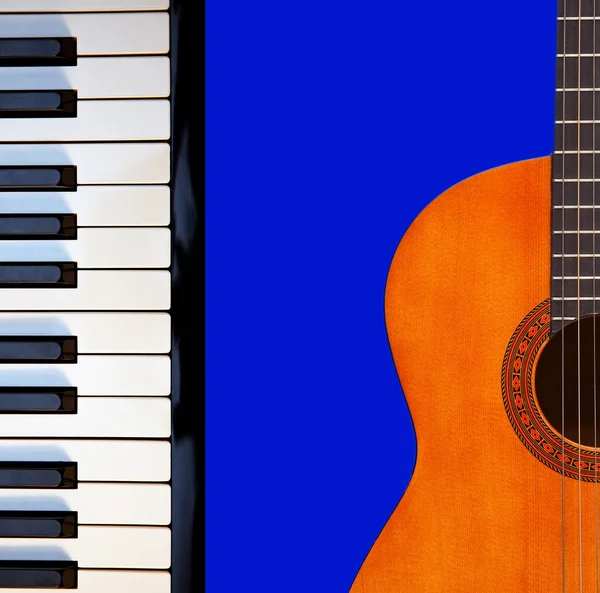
571	44
574	266
576	245
578	105
557	310
573	220
573	188
574	308
579	71
578	298
571	288
565	312
577	136
570	8
578	165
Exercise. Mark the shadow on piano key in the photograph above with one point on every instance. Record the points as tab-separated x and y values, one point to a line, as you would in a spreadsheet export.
47	325
24	264
40	350
32	552
61	42
46	352
33	452
31	178
50	502
29	375
13	105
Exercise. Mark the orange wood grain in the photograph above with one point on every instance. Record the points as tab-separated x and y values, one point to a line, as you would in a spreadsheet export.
481	513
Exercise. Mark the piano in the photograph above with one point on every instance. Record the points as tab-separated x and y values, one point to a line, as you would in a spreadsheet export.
99	271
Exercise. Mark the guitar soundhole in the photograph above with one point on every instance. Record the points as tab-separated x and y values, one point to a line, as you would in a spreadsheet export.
532	393
568	374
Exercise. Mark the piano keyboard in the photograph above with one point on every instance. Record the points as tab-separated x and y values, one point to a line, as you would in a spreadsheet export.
85	294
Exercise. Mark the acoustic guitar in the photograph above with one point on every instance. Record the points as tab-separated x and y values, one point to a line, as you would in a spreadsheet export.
493	314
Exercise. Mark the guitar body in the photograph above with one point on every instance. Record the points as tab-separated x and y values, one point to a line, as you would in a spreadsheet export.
482	513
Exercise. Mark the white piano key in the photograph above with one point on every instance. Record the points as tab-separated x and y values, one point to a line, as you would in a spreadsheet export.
98	460
96	120
97	205
97	333
96	248
116	581
96	375
81	5
97	547
134	163
96	417
97	290
97	34
96	78
97	503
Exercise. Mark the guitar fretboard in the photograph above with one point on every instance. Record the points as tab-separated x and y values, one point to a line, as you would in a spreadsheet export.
575	264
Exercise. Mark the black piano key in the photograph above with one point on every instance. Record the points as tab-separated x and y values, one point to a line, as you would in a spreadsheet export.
43	51
38	178
38	474
45	104
52	524
38	275
38	574
38	226
38	400
38	349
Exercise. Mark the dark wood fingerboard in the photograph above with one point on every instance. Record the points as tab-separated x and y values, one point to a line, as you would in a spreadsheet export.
575	242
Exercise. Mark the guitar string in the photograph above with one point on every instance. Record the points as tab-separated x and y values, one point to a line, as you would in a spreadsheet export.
562	301
579	513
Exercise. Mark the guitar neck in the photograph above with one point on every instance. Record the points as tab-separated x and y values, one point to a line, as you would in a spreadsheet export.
576	165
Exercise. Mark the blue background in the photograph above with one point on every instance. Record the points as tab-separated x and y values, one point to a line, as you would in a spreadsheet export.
330	125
